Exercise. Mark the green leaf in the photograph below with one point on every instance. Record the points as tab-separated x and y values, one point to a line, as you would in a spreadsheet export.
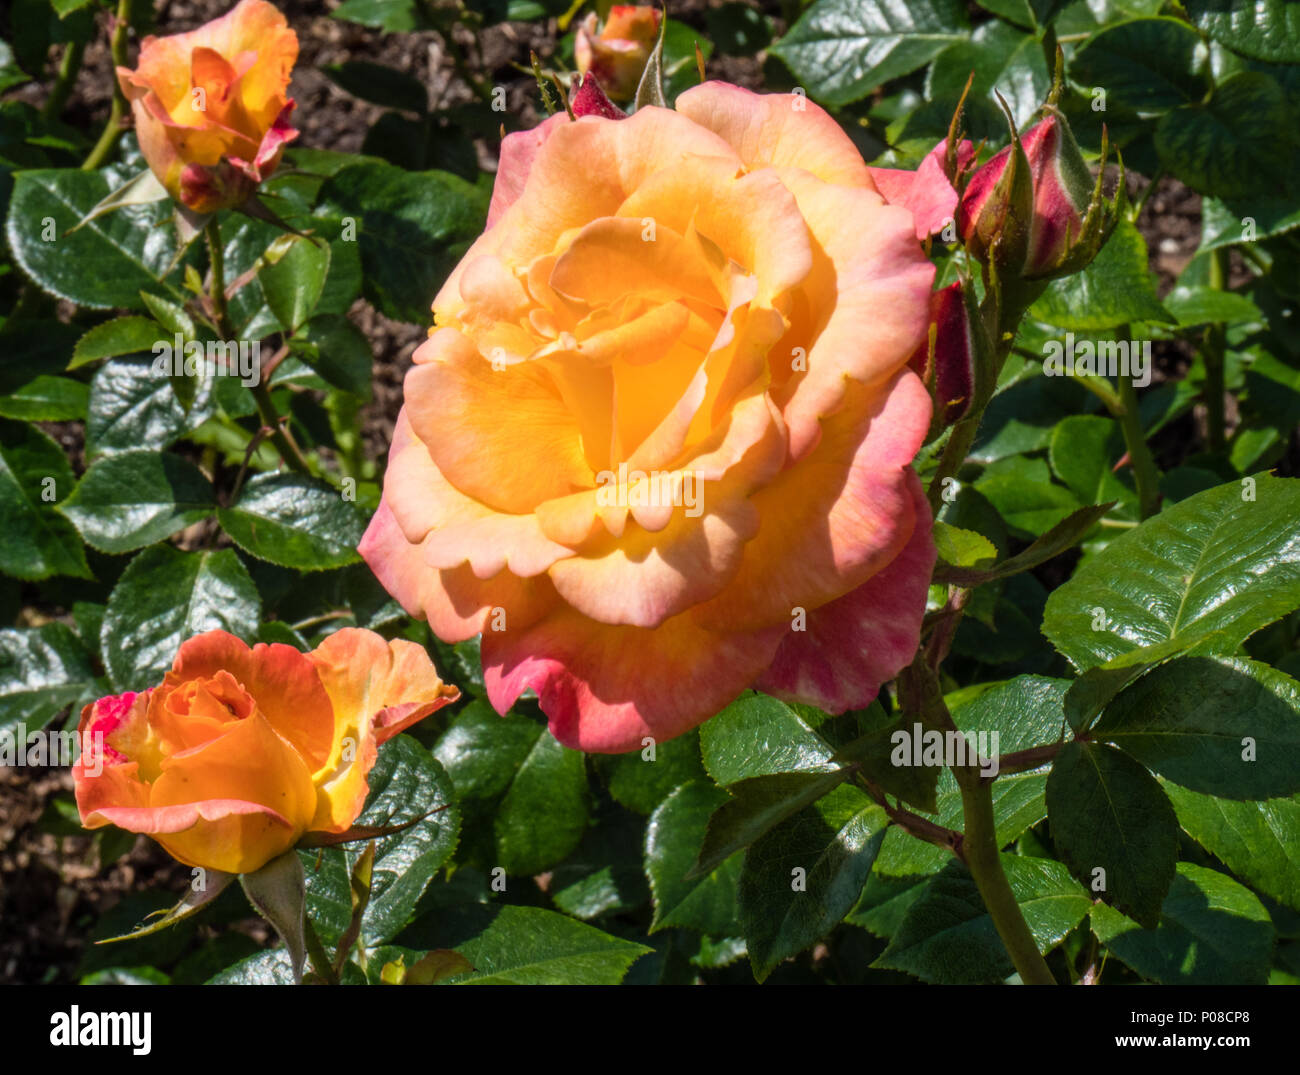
1002	59
1146	64
757	805
1224	726
1108	813
294	521
1204	305
103	264
482	751
166	596
405	783
1237	144
1214	564
1064	535
1115	289
1083	454
1224	224
510	945
841	50
673	840
1025	496
131	407
757	736
393	16
47	399
543	814
293	277
962	548
641	783
43	670
127	501
948	938
412	228
1258	841
1212	931
34	473
336	349
604	875
1265	29
801	878
269	967
379	85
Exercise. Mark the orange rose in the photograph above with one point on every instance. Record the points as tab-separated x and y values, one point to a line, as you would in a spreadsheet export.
240	752
210	106
617	55
658	447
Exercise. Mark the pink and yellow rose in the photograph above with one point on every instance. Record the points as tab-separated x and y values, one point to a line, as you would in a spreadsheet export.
657	446
241	752
210	106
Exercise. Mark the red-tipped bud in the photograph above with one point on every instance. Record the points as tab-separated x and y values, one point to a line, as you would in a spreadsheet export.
589	99
1065	222
618	53
946	360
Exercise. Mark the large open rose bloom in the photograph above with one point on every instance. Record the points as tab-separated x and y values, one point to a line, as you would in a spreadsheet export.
211	148
717	293
241	752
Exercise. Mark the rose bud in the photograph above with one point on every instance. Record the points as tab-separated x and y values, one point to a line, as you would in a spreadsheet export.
1038	199
210	106
241	752
946	361
617	55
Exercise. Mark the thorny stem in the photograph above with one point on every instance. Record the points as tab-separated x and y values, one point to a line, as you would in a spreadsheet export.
261	392
1145	474
1212	349
69	68
117	110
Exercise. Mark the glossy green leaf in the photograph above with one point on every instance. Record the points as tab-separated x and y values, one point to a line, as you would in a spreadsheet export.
1237	144
1215	564
120	336
801	878
1109	814
673	840
103	264
336	349
840	50
1025	496
1258	841
294	521
43	670
482	750
412	228
757	735
1146	64
405	783
47	399
641	782
127	501
293	277
1224	726
166	596
1115	289
1064	535
1264	29
543	814
132	407
34	476
1212	931
948	938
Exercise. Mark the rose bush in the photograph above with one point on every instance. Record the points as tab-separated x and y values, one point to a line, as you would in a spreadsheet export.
210	105
715	300
240	752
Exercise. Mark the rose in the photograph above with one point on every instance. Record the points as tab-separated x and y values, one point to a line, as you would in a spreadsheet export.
240	752
210	107
617	55
716	297
1037	199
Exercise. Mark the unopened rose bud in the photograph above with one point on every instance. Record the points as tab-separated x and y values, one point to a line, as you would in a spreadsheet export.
617	55
210	106
946	360
1066	222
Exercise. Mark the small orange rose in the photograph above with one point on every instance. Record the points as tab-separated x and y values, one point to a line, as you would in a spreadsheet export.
210	106
617	54
241	752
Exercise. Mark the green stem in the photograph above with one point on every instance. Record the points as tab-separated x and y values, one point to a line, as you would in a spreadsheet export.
117	111
1145	474
69	68
1212	350
261	392
980	850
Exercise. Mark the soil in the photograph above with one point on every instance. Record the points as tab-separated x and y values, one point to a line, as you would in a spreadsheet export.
52	886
